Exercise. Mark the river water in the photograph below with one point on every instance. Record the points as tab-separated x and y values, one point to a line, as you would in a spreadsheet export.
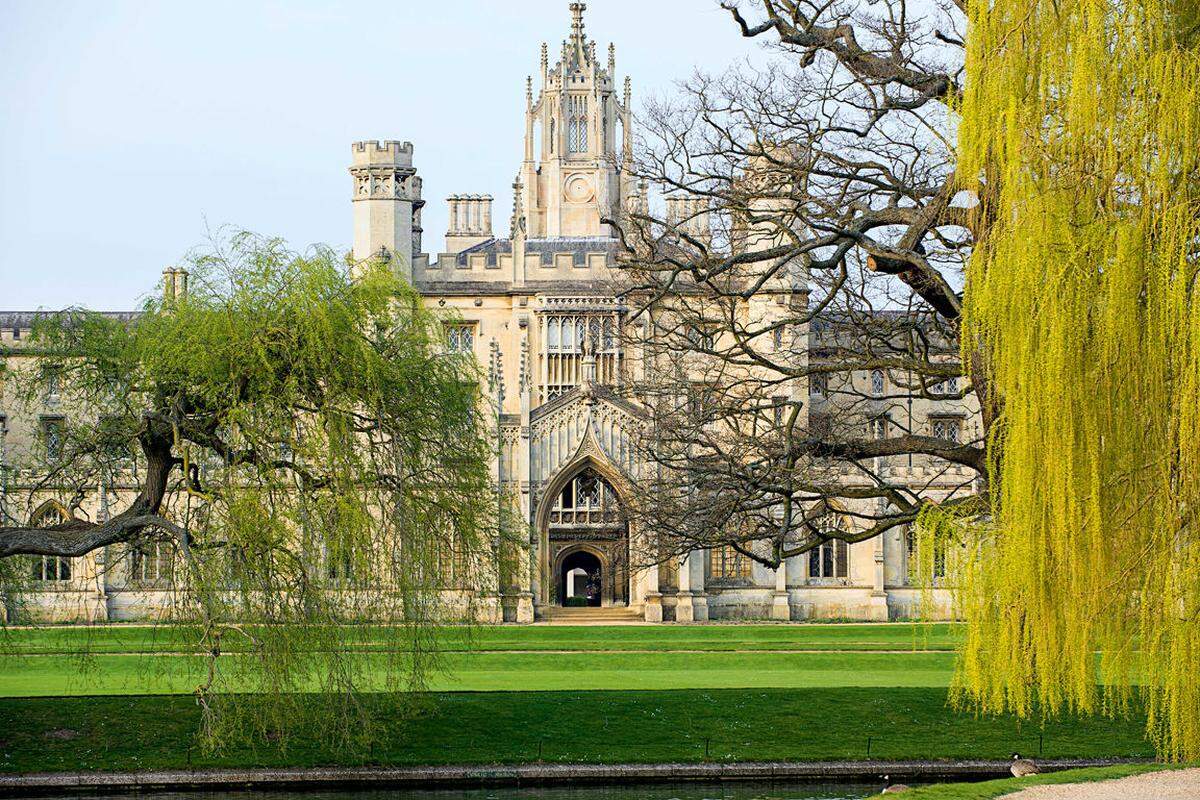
733	790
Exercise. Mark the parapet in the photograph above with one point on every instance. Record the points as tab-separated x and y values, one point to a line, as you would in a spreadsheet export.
390	152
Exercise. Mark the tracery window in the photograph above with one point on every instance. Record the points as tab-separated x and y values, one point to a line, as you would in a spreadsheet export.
52	437
577	136
912	554
726	563
587	500
948	386
878	383
947	428
460	338
50	568
829	560
567	338
151	563
453	566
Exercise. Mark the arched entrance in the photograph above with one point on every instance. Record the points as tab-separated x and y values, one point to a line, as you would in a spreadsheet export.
580	579
585	537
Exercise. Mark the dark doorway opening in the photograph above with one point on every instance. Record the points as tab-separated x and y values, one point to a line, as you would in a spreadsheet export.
579	579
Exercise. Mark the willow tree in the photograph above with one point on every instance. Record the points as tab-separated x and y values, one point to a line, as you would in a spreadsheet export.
303	446
1080	134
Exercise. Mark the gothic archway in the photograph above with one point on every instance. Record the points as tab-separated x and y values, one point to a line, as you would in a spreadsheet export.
582	511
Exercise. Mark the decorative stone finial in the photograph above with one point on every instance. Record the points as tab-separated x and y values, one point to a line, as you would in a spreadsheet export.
577	10
517	223
578	44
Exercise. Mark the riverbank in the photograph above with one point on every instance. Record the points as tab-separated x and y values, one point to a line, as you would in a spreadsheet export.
516	776
1124	781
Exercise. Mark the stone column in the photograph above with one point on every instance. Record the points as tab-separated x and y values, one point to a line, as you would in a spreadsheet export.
692	604
781	607
652	597
879	606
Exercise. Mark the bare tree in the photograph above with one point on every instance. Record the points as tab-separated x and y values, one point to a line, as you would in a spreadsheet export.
800	296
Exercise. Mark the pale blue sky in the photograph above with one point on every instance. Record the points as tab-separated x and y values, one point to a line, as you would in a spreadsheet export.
128	127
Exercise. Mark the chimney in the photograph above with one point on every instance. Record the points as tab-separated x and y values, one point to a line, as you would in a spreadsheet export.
689	215
470	221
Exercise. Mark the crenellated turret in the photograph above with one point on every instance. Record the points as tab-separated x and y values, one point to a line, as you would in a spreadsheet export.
387	204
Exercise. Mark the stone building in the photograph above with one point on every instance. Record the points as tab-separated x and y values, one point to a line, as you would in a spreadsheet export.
538	310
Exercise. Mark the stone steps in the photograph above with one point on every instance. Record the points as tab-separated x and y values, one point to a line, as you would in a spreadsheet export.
588	615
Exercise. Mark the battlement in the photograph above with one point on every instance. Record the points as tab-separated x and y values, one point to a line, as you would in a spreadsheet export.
390	152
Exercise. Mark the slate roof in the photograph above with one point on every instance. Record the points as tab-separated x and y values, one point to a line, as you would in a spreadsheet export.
24	319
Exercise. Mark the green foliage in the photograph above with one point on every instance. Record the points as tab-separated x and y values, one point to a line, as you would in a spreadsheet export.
1081	132
326	462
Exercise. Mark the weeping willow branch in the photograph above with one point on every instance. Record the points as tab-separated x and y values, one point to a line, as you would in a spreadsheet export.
1081	132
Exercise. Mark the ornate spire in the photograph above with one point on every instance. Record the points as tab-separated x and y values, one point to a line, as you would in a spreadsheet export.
577	37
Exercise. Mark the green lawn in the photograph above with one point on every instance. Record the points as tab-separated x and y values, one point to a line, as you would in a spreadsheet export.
46	675
119	659
118	733
719	637
569	694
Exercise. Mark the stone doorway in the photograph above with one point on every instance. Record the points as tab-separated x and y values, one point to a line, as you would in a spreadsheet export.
580	579
585	537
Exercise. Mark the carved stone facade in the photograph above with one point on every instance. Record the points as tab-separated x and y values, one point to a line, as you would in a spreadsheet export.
537	309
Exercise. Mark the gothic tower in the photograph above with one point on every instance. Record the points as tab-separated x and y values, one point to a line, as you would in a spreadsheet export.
387	204
574	178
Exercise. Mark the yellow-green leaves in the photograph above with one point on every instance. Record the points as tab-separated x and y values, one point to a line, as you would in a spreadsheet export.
1081	122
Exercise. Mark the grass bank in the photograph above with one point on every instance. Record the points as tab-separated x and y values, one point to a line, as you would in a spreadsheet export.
985	790
140	732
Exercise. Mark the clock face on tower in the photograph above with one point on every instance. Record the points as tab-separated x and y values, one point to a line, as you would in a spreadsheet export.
577	188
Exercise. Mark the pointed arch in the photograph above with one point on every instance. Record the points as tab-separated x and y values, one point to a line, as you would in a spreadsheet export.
48	509
588	456
611	473
50	569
